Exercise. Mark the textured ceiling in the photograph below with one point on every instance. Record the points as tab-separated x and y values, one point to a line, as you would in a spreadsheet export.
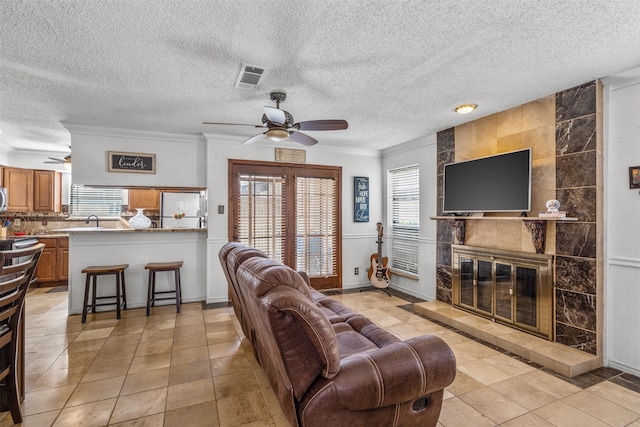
393	69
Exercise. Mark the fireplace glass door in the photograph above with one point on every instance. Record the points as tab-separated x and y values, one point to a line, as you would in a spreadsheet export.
526	296
504	291
512	288
485	286
467	280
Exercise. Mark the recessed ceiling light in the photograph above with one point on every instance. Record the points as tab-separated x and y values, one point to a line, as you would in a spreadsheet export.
465	108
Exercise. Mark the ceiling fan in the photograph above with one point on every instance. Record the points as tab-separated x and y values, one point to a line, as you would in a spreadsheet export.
280	126
66	161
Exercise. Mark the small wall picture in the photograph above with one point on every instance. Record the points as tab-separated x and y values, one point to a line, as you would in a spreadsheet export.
634	177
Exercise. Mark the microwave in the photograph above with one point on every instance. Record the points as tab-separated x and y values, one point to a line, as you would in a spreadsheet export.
3	199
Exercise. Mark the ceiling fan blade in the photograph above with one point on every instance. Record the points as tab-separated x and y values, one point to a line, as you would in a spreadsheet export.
54	160
253	139
275	115
232	124
302	138
322	125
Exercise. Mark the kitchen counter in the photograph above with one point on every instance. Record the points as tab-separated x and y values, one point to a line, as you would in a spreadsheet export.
137	248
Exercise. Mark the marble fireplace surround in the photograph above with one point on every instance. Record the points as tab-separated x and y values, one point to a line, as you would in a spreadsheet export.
564	131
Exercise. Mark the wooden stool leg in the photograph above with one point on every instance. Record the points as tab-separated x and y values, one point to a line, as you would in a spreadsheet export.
117	295
178	293
94	279
12	396
153	288
86	299
124	290
149	294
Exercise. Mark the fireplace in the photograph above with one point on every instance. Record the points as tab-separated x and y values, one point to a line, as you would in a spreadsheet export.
512	288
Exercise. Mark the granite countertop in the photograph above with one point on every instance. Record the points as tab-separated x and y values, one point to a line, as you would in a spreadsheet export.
62	234
132	230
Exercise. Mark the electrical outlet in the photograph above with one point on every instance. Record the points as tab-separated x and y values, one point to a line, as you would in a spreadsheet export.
220	209
44	221
356	271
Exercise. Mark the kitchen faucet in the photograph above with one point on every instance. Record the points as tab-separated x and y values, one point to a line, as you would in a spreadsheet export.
89	217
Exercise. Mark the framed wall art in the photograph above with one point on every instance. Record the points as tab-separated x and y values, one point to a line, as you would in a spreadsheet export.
634	177
360	199
131	162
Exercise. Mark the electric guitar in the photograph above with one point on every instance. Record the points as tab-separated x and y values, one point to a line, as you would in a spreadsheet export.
379	274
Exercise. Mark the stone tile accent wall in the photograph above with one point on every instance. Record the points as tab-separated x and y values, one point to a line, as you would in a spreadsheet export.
565	166
446	154
576	243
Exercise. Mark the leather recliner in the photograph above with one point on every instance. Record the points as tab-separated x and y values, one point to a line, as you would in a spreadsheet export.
328	365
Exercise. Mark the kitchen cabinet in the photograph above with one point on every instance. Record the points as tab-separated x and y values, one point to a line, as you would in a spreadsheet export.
145	199
62	259
53	266
47	191
32	190
19	183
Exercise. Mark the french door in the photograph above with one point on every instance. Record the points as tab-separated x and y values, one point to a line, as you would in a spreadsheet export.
290	212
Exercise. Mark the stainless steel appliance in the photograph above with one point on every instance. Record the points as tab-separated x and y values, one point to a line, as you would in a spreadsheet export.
192	205
3	199
17	243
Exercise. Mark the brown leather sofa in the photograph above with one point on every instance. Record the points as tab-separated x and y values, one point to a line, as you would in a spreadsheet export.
328	365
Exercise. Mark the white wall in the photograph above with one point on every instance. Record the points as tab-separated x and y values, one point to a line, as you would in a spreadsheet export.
423	153
358	239
180	159
622	219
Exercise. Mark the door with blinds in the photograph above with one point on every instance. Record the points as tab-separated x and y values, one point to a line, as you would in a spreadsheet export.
290	212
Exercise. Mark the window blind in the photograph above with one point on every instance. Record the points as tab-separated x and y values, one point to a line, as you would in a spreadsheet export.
316	231
85	201
404	194
261	219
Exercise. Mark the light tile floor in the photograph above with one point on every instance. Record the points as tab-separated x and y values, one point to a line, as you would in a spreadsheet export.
195	369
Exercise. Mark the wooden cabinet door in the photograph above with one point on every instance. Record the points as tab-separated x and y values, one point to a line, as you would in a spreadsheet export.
46	271
63	264
47	191
63	259
19	183
146	199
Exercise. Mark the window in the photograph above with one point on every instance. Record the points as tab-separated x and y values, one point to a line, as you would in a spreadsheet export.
404	205
316	216
87	201
292	213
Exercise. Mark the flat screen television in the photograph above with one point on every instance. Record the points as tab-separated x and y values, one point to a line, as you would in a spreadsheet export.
500	183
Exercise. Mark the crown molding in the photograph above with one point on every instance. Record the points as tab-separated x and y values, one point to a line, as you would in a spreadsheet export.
424	141
83	129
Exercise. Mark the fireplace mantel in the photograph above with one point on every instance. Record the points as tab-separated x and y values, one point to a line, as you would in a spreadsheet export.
537	226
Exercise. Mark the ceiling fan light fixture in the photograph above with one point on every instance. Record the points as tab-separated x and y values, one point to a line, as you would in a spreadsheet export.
277	134
465	108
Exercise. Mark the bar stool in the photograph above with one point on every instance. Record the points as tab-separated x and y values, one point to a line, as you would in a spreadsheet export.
92	273
155	267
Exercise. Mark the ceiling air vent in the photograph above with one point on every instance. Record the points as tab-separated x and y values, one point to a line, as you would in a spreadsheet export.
250	76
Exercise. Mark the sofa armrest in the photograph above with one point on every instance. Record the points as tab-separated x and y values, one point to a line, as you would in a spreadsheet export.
395	373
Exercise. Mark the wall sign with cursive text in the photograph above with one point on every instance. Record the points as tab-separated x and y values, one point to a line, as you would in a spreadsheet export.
131	162
360	199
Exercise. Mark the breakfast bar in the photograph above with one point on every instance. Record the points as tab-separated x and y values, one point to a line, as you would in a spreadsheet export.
136	248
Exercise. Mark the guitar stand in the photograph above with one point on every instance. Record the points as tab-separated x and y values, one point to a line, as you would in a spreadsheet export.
386	291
